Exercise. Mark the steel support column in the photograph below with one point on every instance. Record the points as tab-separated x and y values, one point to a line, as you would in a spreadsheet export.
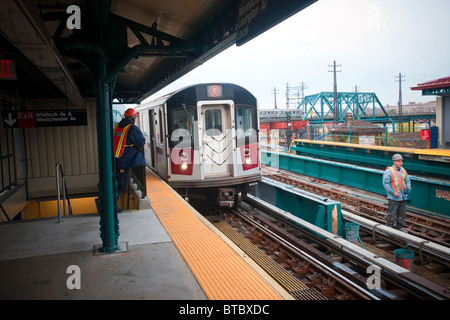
109	222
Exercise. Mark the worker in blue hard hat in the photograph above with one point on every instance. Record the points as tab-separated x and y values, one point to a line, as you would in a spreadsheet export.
128	143
397	184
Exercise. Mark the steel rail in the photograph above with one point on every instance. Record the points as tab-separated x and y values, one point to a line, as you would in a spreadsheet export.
403	278
347	283
438	251
370	209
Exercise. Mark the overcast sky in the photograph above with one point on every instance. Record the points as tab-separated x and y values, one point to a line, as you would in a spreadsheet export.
373	41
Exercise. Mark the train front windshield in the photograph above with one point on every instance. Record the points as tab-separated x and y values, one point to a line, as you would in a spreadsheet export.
182	126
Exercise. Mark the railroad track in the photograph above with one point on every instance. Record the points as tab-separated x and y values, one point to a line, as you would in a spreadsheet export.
432	228
300	272
315	266
324	265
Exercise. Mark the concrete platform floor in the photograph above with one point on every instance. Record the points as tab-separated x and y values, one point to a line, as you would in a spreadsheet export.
35	256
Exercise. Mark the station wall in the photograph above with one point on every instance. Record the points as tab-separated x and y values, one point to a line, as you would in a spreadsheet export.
38	150
75	146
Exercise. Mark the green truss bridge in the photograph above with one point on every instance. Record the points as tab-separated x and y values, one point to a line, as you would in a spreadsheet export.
366	106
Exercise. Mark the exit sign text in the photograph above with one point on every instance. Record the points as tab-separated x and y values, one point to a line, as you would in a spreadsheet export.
8	69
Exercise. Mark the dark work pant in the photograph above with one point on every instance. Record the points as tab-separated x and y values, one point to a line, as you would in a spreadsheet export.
396	214
122	180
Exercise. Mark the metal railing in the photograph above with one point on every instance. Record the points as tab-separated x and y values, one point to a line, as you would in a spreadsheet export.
139	177
59	176
383	138
7	160
4	212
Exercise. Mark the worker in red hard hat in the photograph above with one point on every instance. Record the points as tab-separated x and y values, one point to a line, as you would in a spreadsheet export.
130	112
128	143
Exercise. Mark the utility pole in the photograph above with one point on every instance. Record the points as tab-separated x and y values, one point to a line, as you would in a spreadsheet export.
287	96
274	92
303	86
356	105
400	104
335	102
292	96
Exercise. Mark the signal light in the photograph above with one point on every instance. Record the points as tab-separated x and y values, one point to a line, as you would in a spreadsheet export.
182	161
249	156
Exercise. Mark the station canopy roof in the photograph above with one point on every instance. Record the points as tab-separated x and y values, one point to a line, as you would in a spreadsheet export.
51	50
434	87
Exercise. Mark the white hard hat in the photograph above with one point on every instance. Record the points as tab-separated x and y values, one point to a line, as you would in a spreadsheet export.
397	157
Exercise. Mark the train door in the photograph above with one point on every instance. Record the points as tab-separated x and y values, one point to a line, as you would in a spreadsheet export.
160	146
217	146
150	151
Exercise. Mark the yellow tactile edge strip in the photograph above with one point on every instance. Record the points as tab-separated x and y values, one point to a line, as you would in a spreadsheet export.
222	270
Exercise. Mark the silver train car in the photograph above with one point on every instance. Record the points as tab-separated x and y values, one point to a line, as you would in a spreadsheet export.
203	140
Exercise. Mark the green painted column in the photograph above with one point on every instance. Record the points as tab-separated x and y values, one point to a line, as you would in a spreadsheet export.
109	224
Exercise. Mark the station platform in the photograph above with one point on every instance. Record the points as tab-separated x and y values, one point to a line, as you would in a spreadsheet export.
169	252
35	255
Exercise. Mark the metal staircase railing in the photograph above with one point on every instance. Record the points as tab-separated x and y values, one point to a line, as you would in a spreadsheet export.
59	176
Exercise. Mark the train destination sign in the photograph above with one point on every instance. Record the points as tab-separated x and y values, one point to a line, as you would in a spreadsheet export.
44	118
257	16
215	91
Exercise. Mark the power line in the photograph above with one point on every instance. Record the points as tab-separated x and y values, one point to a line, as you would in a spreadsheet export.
335	102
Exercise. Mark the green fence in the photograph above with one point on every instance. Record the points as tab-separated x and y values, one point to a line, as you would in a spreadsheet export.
390	137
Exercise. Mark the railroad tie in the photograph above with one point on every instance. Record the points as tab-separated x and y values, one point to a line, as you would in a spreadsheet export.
294	286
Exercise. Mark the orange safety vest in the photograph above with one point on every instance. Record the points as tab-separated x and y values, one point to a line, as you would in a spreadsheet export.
120	138
398	179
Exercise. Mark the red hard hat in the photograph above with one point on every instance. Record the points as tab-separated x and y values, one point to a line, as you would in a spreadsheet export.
130	113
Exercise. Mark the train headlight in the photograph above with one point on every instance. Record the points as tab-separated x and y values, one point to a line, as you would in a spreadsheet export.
249	157
184	166
181	161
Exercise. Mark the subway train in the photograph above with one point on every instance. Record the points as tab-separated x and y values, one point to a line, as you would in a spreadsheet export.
203	140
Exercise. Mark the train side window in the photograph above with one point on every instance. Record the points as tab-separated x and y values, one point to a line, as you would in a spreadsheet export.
161	123
244	121
213	122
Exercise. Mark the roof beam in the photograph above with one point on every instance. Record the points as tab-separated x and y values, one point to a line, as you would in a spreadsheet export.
37	45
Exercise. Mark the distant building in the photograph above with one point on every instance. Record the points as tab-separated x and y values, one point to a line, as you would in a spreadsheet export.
352	130
412	108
